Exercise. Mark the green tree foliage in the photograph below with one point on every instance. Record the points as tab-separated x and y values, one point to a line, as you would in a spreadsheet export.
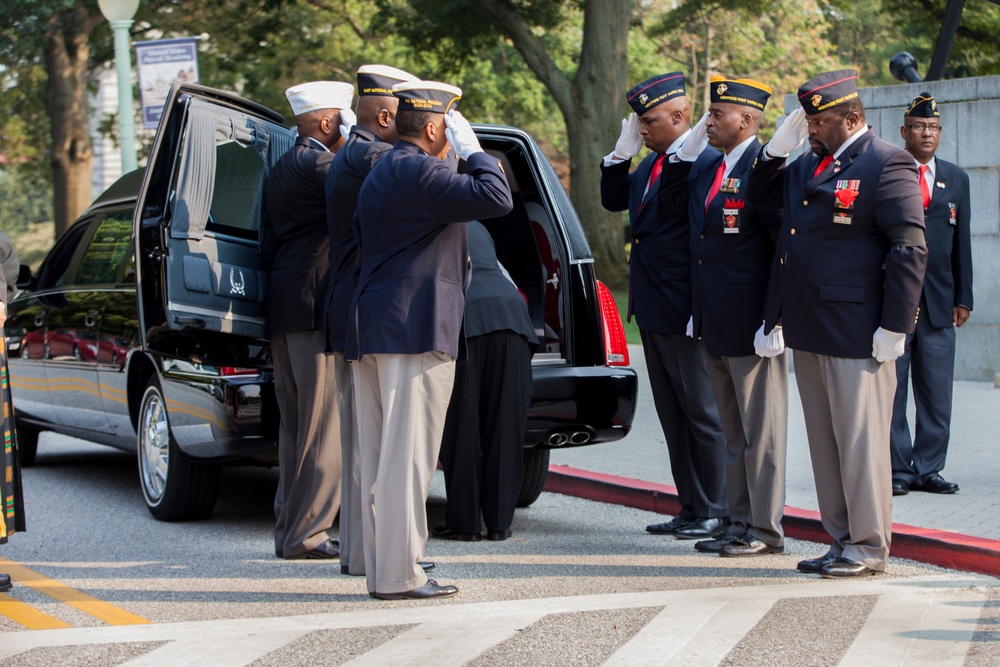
916	26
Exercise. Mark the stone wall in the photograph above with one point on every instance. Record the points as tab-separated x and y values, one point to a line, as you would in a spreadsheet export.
970	137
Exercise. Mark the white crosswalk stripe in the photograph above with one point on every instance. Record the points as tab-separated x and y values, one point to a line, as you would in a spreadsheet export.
916	621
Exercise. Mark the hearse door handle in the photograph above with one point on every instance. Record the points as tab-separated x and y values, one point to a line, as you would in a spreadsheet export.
40	319
91	318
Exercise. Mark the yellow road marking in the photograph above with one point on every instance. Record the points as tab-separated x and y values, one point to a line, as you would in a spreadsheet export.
88	604
28	616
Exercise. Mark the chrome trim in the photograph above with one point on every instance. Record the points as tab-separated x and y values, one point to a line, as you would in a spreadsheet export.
208	312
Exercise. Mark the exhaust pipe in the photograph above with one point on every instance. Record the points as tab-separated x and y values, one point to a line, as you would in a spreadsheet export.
580	438
558	439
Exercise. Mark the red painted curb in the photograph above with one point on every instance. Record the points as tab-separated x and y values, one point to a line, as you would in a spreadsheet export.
925	545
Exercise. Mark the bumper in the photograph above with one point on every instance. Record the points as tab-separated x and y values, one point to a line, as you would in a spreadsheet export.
222	418
581	406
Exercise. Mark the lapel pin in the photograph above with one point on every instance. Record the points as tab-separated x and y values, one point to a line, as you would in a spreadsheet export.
940	184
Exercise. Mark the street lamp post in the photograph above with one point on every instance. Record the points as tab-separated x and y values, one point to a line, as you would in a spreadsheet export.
119	14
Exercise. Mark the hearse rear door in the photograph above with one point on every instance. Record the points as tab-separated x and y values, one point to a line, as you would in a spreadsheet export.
200	282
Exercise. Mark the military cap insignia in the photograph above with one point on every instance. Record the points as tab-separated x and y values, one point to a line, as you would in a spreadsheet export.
643	98
817	99
933	104
721	90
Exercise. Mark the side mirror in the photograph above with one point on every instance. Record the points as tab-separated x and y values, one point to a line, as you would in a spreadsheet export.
24	276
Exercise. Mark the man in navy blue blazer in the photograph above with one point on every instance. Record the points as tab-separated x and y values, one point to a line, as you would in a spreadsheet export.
945	303
732	245
405	328
849	266
369	141
656	197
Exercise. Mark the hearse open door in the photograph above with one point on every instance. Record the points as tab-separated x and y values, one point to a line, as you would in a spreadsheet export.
200	282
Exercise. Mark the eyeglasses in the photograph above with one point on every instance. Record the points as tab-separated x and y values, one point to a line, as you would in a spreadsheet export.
813	122
921	127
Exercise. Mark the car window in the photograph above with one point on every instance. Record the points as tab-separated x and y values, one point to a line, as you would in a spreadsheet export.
106	250
239	186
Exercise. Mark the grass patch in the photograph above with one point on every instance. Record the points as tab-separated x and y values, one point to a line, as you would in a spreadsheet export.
33	243
631	330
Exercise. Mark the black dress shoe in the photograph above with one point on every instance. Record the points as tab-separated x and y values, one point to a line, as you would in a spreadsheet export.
426	592
714	545
324	550
842	567
446	533
935	484
701	529
425	565
814	565
900	488
498	536
749	546
667	528
5	584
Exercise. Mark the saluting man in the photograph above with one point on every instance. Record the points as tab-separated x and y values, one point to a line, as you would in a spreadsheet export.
405	327
850	263
945	303
732	245
369	141
295	250
656	197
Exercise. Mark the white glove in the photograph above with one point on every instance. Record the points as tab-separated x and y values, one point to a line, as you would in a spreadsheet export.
460	135
347	121
770	345
790	135
695	143
630	142
887	345
689	331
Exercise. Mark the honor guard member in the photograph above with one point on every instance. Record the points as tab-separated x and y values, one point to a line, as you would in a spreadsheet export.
482	452
368	142
656	197
945	303
295	250
732	245
850	264
405	327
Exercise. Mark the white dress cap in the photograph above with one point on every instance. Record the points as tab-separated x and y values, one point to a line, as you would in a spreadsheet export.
314	95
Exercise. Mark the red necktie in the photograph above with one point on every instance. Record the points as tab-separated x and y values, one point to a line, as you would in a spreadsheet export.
716	183
925	192
654	174
823	164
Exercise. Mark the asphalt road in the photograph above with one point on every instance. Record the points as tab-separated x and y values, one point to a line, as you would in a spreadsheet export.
580	583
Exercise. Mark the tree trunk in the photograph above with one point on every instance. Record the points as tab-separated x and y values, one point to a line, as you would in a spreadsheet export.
706	100
592	104
592	127
67	51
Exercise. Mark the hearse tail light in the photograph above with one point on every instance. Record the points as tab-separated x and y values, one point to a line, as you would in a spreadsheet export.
230	371
615	345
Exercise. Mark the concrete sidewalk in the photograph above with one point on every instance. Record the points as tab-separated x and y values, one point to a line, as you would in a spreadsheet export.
966	522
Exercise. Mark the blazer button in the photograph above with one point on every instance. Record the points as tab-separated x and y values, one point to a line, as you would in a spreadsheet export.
781	260
805	203
635	241
702	236
699	262
793	231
